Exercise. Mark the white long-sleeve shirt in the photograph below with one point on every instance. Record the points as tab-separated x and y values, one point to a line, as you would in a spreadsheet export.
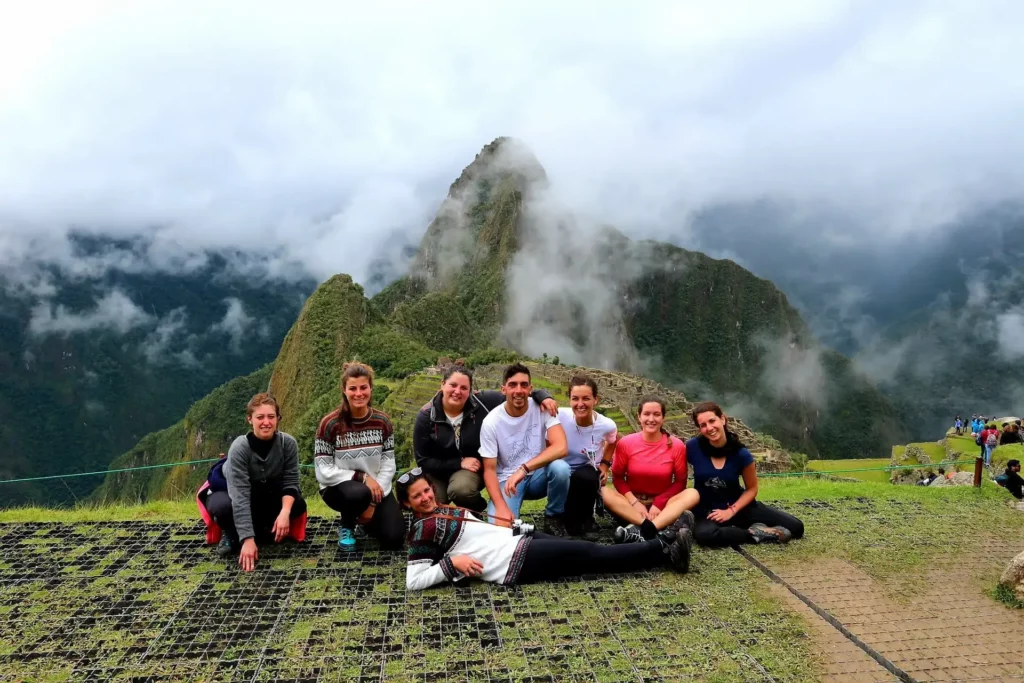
367	445
433	541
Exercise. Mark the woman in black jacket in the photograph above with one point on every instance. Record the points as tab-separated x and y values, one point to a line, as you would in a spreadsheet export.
446	437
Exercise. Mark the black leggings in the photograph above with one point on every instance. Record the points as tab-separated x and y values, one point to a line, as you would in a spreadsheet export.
584	484
351	498
265	508
550	557
734	532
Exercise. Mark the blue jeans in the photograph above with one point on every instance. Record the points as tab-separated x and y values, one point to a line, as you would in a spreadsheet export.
550	481
988	454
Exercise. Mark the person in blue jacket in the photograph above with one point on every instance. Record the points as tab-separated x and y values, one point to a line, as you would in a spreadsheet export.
728	513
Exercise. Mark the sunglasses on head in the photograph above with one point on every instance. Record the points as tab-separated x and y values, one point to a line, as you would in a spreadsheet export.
414	472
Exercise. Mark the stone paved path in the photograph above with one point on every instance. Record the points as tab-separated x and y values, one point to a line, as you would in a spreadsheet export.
953	633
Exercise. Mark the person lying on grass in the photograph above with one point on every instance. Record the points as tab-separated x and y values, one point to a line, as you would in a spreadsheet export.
262	494
728	514
448	544
649	478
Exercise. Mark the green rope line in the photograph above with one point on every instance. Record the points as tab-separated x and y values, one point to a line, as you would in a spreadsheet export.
199	462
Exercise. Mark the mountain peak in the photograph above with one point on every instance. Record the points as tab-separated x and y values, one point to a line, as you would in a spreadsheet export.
503	156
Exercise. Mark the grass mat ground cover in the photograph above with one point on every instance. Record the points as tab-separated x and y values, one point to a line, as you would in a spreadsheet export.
146	600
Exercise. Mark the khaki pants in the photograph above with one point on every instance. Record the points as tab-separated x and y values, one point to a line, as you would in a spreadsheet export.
461	488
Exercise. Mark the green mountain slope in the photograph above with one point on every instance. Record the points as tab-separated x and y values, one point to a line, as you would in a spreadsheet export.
489	274
207	430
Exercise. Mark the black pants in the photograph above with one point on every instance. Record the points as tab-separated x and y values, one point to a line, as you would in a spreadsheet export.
265	506
734	532
579	503
550	557
351	498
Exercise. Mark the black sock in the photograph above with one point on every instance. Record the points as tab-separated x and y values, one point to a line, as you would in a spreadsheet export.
648	530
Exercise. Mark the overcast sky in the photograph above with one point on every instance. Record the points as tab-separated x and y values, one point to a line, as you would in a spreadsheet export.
325	133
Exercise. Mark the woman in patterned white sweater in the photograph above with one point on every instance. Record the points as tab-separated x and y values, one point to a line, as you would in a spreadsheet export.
354	457
447	544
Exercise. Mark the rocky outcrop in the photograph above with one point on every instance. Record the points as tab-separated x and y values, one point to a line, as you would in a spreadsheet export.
958	479
911	455
1013	576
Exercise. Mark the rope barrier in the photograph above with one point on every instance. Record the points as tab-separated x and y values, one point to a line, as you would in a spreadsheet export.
183	463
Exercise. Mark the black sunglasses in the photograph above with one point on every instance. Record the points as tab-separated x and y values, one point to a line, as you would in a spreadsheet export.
414	472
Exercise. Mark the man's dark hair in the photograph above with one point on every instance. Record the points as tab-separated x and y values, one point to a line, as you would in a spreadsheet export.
942	470
515	369
1012	463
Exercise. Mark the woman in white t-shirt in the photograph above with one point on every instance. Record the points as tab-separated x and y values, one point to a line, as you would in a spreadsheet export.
591	441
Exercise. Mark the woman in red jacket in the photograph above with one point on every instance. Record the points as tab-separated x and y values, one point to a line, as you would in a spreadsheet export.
649	476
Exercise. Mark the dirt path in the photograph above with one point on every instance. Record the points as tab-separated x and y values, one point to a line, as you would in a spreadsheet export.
953	632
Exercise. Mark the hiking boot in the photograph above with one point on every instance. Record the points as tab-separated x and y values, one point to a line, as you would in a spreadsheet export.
685	521
347	539
590	531
680	549
629	534
227	546
762	533
554	525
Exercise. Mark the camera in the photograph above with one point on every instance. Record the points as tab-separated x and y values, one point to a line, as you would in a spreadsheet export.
521	528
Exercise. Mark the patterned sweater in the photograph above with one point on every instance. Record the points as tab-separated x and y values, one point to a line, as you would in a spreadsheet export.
433	541
367	446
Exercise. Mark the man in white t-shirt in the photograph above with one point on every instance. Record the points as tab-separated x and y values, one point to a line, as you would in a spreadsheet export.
522	450
591	440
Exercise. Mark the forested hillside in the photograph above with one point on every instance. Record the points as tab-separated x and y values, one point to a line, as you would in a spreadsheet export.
99	363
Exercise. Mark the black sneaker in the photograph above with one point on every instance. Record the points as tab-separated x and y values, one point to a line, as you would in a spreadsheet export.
762	533
679	551
227	546
628	534
554	525
591	532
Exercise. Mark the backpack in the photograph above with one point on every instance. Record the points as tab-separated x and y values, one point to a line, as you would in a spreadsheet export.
992	439
1003	480
218	482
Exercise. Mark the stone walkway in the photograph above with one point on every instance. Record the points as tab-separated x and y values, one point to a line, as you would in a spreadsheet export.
953	633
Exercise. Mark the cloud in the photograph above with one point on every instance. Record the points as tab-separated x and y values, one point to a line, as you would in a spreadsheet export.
1010	334
114	311
343	125
172	328
792	371
236	324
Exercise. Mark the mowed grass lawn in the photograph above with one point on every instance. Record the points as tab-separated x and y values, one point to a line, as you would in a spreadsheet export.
840	468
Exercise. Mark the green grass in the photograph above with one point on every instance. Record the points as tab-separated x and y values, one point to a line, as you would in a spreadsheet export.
863	464
1005	595
113	590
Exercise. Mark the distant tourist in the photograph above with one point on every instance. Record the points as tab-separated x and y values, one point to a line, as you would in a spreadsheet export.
446	436
261	475
354	457
1010	434
989	439
649	479
958	425
590	438
729	514
1011	479
523	450
448	544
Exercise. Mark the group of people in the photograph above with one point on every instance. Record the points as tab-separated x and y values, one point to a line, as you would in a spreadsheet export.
517	445
988	435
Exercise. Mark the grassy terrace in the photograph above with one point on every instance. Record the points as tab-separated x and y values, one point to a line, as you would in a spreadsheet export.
130	592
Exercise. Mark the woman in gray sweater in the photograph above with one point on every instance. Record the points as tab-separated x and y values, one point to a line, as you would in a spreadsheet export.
262	496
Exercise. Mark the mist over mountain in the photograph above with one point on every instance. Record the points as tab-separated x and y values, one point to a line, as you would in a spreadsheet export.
93	359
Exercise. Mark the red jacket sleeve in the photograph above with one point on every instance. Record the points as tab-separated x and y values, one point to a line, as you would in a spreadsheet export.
678	475
620	461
